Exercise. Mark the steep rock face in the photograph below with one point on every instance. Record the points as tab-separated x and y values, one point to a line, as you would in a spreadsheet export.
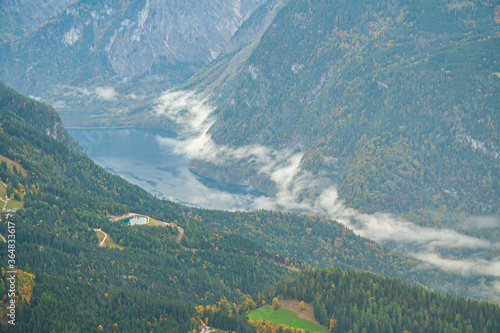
237	50
18	17
127	44
186	32
126	38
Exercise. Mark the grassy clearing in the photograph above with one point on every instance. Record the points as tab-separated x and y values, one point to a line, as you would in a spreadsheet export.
284	317
14	204
306	313
11	163
156	223
111	244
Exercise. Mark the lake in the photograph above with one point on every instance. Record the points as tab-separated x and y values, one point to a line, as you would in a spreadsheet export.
142	158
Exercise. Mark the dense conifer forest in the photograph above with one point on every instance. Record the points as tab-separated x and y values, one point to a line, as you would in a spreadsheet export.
152	282
393	103
396	102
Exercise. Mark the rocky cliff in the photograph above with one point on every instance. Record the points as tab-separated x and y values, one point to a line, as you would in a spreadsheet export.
19	17
97	52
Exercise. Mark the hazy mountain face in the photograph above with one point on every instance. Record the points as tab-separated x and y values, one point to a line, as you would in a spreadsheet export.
386	106
395	103
126	44
18	17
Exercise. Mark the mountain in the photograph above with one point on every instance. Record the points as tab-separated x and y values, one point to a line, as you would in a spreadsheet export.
114	54
149	278
41	116
76	283
18	18
395	103
350	301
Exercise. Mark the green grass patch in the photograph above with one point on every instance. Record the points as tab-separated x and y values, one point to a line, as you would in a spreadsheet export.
11	164
3	191
111	244
14	204
284	317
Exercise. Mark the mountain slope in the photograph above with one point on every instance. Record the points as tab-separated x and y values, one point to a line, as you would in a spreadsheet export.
115	54
350	301
396	103
38	115
358	301
66	195
20	17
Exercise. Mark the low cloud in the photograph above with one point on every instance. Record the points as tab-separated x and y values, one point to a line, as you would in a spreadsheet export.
463	266
106	93
194	114
103	93
481	222
303	192
84	91
186	108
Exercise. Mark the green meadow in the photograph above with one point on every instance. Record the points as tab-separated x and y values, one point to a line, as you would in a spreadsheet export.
284	317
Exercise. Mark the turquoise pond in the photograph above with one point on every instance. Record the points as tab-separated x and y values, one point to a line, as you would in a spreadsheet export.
135	220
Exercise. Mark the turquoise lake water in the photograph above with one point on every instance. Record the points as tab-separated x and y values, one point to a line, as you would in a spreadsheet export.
135	220
142	157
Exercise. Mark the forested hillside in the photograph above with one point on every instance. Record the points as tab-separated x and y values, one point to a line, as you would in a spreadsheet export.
320	242
41	116
393	104
396	102
350	301
153	282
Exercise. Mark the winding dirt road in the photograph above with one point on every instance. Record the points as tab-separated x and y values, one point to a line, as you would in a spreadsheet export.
3	238
179	236
5	204
205	329
179	240
105	236
6	200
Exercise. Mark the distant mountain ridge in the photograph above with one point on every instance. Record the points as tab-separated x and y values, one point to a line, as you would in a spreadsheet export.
21	17
396	102
66	196
108	55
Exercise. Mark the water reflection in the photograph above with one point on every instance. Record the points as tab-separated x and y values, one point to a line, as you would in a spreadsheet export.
137	156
